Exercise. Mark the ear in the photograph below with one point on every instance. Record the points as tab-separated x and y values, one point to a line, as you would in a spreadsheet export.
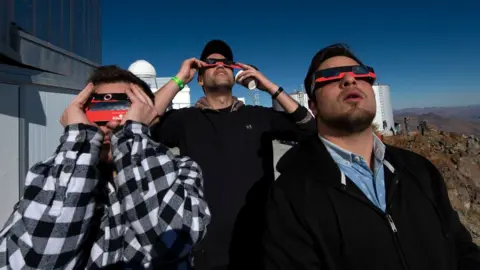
312	104
200	79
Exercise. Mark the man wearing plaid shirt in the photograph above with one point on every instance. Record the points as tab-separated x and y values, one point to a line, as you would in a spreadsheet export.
109	196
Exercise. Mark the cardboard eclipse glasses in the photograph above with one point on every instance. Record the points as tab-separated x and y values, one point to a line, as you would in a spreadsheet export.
326	76
102	108
212	62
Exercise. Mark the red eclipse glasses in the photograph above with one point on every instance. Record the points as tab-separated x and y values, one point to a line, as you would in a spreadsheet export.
103	108
211	62
326	76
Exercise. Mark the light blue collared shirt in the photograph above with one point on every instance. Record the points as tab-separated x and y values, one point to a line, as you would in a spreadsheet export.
371	183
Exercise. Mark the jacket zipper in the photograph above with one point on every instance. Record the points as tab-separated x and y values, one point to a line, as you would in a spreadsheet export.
392	224
387	216
397	241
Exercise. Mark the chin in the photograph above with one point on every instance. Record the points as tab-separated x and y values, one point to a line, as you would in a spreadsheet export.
223	86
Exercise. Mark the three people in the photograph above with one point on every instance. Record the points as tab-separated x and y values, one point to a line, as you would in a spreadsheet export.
113	196
345	200
109	196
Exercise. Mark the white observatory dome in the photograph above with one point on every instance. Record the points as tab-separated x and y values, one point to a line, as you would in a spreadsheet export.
142	68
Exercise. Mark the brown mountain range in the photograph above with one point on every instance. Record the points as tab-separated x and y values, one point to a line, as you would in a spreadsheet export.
462	120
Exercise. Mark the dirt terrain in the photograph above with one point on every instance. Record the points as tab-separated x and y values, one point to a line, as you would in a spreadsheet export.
458	158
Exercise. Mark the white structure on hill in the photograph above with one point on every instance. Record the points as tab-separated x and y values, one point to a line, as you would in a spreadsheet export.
145	71
384	117
298	95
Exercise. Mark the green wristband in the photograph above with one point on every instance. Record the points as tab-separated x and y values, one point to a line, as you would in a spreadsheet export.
178	82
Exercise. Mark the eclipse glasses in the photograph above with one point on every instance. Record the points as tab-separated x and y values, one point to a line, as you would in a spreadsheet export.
326	76
212	62
102	108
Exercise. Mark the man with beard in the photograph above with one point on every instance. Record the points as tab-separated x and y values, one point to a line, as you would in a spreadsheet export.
345	200
232	143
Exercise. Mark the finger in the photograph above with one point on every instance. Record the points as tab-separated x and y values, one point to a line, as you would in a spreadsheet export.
133	98
245	67
138	94
142	94
83	96
199	64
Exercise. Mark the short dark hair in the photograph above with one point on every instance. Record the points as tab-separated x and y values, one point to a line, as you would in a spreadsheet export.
337	49
115	74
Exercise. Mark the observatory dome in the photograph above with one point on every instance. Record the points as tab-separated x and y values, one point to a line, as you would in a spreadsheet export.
142	68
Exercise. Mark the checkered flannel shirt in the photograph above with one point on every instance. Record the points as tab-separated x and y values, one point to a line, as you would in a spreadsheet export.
155	209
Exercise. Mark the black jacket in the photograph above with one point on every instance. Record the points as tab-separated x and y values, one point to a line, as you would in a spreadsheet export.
234	149
315	222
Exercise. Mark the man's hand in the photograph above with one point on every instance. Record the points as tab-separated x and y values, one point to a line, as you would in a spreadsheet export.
188	69
262	82
75	112
142	108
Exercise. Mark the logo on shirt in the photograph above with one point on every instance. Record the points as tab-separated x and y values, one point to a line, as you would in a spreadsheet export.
248	126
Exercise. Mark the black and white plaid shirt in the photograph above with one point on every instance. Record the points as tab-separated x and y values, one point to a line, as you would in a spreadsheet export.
155	210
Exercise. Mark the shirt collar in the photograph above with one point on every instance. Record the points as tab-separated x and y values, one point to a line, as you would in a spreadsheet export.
378	149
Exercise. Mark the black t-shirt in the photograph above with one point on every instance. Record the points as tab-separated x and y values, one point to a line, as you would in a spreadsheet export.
234	150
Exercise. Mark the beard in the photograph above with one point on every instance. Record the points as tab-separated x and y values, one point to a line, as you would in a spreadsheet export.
353	121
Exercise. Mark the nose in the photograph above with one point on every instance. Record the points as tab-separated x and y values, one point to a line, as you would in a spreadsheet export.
348	81
111	125
221	65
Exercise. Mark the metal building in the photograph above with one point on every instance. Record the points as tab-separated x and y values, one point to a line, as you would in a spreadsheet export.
47	51
384	116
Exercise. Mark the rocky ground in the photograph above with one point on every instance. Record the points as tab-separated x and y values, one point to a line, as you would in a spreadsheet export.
458	158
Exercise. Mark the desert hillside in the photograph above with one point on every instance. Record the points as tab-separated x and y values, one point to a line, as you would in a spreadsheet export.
458	158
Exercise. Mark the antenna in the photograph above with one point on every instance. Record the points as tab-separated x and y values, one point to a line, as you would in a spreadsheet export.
256	97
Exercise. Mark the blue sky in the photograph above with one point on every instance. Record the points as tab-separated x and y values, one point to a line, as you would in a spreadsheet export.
429	53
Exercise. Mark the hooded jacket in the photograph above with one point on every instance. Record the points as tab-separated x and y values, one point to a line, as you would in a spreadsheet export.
317	220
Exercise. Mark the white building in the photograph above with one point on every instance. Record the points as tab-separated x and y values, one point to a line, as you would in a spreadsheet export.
300	96
242	99
145	71
384	116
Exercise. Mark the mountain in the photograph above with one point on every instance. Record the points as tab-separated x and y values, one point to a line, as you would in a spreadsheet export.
468	113
439	122
458	159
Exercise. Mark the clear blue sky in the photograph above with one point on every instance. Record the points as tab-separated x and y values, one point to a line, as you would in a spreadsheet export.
429	53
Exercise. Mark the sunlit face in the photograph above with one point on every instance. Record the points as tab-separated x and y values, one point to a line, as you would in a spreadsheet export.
347	105
109	88
218	77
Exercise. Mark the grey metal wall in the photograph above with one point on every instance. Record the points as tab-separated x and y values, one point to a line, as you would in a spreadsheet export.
43	106
31	103
73	25
9	151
